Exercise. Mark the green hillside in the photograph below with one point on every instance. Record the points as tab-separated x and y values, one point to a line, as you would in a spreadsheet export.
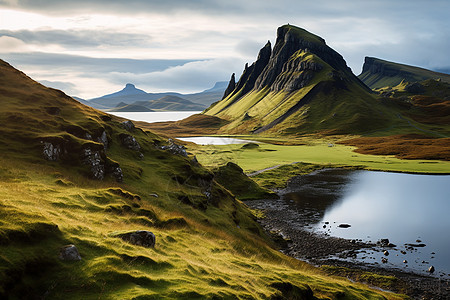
378	73
72	175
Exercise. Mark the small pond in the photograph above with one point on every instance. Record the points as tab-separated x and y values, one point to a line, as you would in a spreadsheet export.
370	206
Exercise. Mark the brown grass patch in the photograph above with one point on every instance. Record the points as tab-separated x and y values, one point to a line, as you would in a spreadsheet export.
411	146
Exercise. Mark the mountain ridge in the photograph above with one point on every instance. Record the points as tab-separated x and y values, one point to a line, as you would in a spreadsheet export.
379	73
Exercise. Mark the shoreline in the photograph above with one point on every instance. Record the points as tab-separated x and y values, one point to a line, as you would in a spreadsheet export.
290	231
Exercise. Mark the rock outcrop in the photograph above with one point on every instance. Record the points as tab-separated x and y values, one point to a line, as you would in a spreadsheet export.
142	238
231	86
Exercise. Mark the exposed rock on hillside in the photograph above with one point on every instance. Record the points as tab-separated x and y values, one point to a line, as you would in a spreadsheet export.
231	86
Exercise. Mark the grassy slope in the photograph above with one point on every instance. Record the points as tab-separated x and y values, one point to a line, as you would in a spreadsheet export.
402	72
204	249
314	151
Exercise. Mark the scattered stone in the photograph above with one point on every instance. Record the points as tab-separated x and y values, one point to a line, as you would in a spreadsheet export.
386	252
384	260
403	252
383	242
128	125
142	238
327	223
69	253
431	269
175	149
344	225
324	226
405	261
418	241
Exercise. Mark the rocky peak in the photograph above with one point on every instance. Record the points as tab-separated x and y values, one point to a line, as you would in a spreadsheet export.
130	86
251	74
291	39
231	86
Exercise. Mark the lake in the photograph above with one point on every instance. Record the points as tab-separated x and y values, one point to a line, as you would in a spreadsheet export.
404	208
214	140
155	116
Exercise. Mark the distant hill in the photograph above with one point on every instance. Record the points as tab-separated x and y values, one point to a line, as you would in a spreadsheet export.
378	73
130	94
300	86
166	103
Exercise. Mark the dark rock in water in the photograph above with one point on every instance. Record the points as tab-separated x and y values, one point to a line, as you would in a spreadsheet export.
69	253
128	125
418	241
405	261
416	245
231	86
383	242
175	148
431	269
384	260
386	253
129	142
51	152
344	225
142	238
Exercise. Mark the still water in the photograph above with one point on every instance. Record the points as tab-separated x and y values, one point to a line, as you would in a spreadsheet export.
155	116
215	140
404	208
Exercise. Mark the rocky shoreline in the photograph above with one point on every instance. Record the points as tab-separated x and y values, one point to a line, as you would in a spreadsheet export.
291	230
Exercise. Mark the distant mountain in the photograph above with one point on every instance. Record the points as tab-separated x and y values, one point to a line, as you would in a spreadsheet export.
378	73
166	103
130	94
299	86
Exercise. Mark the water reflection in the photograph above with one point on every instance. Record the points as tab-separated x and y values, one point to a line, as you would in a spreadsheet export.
401	207
214	140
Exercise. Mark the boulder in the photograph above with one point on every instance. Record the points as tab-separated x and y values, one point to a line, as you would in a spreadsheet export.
103	138
344	225
94	160
431	269
129	142
142	238
128	125
69	253
51	152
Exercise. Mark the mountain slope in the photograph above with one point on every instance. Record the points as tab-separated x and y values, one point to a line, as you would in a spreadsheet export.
378	73
301	86
72	175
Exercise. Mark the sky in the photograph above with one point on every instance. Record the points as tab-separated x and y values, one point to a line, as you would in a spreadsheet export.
92	48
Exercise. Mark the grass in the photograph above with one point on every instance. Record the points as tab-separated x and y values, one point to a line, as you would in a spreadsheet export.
315	151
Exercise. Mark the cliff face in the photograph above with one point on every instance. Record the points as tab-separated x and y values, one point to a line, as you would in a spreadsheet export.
378	73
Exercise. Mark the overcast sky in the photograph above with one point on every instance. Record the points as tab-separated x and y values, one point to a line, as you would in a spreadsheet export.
92	48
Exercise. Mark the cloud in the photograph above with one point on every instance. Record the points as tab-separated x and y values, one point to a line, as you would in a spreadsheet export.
10	44
78	38
190	77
